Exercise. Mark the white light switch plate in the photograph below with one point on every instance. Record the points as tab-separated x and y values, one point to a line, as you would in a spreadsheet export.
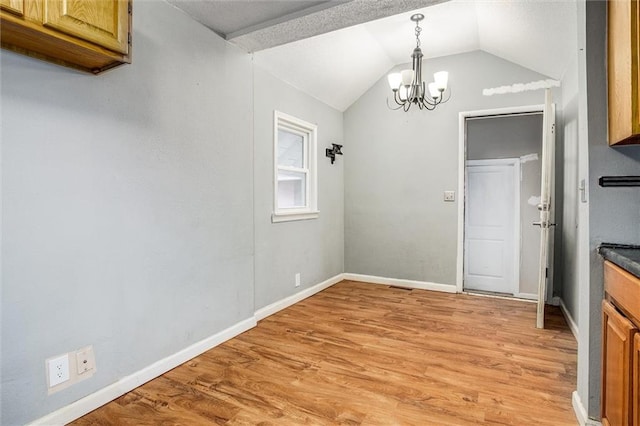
449	195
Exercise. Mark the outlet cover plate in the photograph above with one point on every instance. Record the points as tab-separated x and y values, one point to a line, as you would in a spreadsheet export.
58	370
85	360
449	195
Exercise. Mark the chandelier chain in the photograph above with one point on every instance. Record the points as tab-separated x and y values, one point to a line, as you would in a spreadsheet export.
418	29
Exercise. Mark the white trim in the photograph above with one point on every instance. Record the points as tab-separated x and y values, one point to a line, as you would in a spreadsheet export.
581	413
528	296
572	324
97	399
517	225
288	217
494	162
422	285
271	309
462	154
518	298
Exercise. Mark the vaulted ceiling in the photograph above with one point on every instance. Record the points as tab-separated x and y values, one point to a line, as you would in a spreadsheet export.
335	50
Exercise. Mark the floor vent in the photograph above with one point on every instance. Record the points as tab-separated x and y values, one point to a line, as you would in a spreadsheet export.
400	288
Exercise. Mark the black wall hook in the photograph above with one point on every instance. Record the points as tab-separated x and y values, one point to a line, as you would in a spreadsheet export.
332	152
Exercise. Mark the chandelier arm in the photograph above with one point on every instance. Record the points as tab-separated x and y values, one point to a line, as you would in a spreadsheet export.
448	97
392	108
397	98
430	107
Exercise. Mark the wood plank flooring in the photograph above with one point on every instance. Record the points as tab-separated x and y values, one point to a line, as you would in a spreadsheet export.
373	355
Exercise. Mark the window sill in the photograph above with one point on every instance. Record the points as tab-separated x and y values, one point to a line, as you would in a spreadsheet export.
289	217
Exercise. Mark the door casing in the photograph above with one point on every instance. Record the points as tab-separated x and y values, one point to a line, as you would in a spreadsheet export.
462	151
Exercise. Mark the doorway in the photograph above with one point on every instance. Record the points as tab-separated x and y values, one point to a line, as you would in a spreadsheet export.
501	159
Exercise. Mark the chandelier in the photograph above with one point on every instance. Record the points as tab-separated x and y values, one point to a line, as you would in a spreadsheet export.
408	87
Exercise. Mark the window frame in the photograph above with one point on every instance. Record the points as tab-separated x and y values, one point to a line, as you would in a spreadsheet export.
309	132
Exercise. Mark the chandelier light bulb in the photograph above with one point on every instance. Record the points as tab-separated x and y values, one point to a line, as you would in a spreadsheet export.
395	80
441	79
407	77
403	93
434	91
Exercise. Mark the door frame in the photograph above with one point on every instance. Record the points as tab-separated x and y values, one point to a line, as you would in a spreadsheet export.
515	162
462	157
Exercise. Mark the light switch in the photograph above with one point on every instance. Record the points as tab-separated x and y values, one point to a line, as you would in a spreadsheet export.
449	195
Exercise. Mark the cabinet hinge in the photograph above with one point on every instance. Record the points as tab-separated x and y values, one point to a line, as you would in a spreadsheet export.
129	38
129	6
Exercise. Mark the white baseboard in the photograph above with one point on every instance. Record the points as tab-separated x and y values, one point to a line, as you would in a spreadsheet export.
528	296
581	413
97	399
572	324
422	285
271	309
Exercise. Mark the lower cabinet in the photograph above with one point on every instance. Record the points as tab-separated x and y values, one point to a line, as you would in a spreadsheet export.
620	350
635	400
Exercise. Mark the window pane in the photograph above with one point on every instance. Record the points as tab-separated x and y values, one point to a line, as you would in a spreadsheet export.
291	189
290	149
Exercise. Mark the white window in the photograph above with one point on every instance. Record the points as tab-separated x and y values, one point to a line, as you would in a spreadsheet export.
295	175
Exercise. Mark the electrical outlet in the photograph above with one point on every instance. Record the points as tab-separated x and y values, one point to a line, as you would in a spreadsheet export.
298	279
58	370
85	360
449	195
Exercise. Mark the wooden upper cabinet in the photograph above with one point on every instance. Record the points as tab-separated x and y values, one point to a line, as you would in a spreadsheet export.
104	22
13	6
623	71
617	346
90	35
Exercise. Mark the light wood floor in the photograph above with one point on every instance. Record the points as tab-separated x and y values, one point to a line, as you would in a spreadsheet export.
369	354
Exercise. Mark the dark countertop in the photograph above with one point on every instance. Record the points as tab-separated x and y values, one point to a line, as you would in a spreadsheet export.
625	256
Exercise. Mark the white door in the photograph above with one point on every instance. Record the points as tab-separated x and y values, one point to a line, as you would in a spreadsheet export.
545	207
492	225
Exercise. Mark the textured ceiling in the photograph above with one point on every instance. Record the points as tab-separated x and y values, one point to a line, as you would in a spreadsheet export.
231	18
260	24
335	50
338	67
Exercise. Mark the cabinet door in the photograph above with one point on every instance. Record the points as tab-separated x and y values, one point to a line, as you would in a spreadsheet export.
622	51
617	345
13	6
635	391
103	22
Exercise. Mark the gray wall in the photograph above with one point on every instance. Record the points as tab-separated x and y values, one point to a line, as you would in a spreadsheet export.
513	137
130	218
399	164
314	248
614	213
